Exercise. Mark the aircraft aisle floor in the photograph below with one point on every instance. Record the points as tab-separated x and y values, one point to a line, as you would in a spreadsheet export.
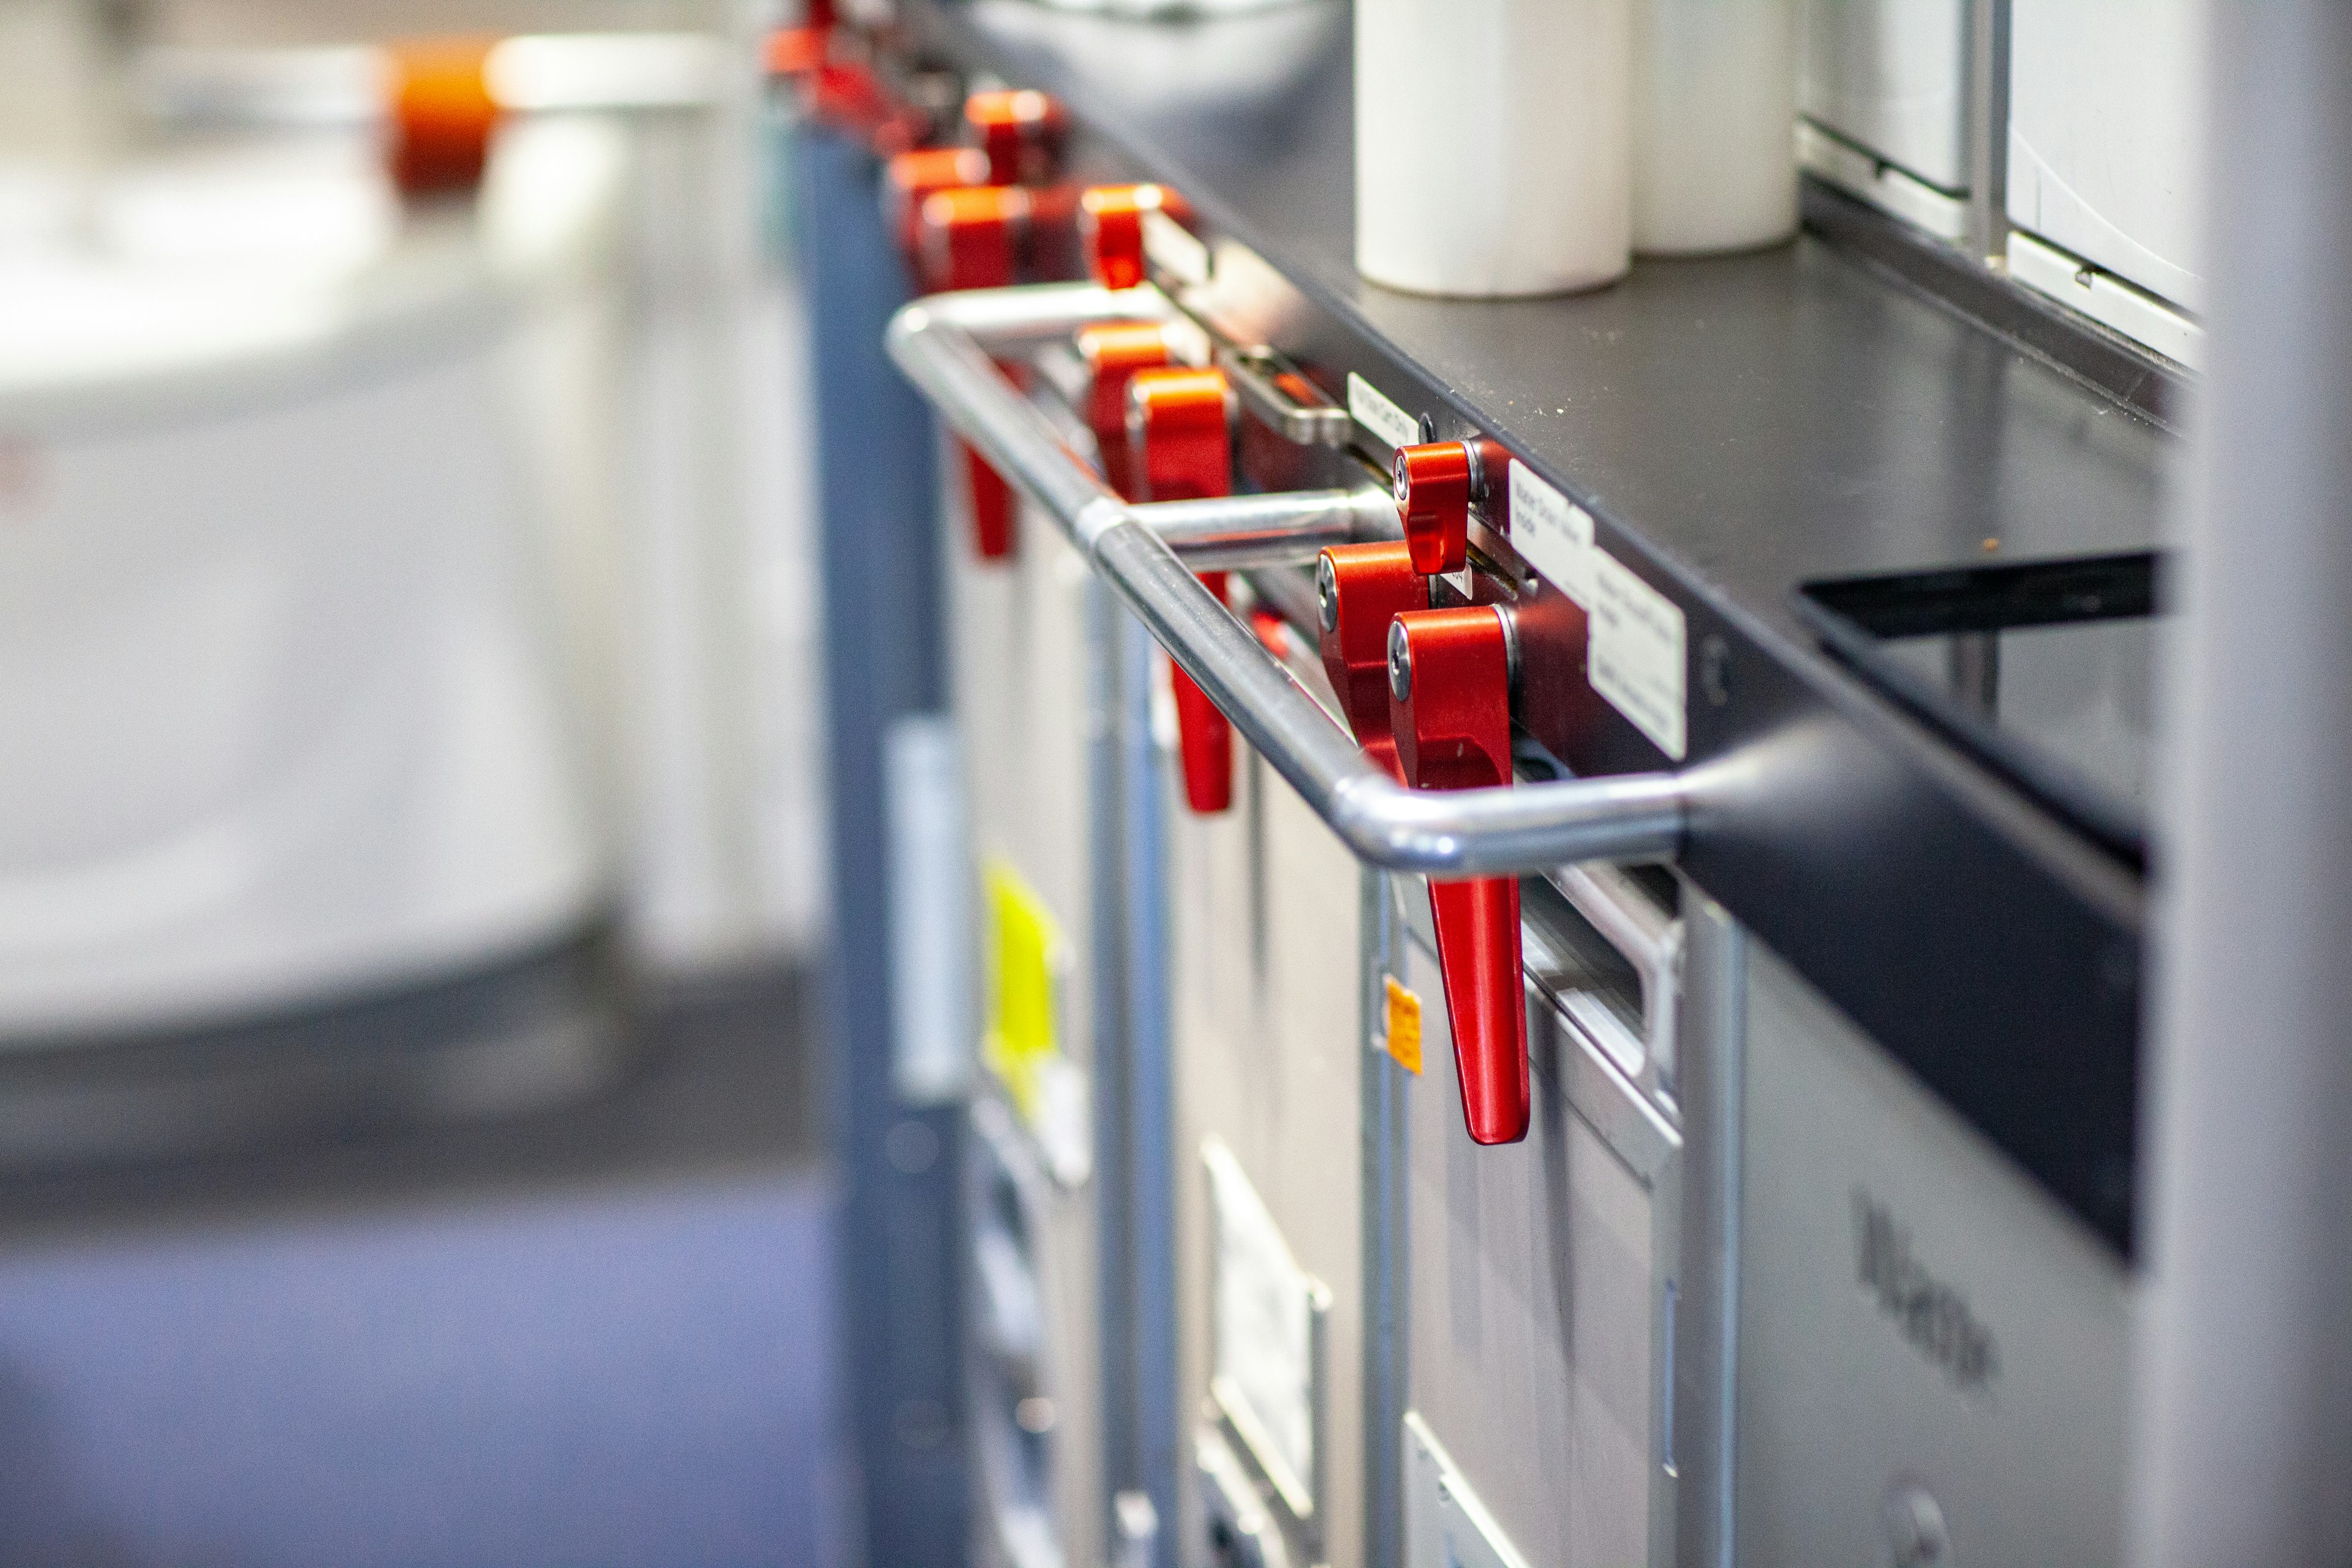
594	1336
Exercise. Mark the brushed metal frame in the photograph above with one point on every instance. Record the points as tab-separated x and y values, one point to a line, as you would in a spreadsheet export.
943	344
1635	1117
1022	1526
1643	1130
1652	941
1300	1504
1253	375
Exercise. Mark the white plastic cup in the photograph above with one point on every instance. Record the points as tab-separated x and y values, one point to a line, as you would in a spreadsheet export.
1715	116
1493	145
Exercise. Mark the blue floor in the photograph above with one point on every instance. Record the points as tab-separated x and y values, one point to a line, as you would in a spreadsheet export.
540	1358
631	1377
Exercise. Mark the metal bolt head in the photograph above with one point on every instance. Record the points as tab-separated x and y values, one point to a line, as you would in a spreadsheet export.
1400	662
1400	478
1327	593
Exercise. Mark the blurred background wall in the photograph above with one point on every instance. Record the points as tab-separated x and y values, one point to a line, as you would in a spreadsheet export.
410	808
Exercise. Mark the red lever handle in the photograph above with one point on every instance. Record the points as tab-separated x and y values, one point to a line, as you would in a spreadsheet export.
1450	707
794	52
911	178
443	114
1358	590
1180	430
1434	485
1110	229
1022	132
970	237
1114	351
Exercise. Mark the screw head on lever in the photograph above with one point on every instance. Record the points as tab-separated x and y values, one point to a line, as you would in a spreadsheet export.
1449	678
1327	593
1400	662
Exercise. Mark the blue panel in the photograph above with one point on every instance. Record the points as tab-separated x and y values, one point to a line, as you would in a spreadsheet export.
884	639
1162	1441
629	1375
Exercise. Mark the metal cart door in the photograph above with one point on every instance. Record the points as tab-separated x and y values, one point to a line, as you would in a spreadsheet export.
1541	1280
1932	1354
1025	694
1263	919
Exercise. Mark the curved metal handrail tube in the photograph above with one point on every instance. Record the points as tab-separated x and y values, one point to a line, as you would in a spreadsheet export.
942	344
1288	528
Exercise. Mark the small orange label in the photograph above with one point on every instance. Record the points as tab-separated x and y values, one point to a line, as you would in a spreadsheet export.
1404	1026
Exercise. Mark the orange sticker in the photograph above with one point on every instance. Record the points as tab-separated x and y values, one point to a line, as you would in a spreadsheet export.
1404	1026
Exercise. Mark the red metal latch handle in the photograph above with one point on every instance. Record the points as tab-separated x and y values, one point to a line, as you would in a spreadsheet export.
1358	590
443	114
977	214
1180	429
1113	352
972	237
1435	486
1020	131
1450	708
1110	236
1110	229
910	179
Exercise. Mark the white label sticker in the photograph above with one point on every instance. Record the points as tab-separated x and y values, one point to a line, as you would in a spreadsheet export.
1264	1330
1066	1128
1174	249
1376	414
931	1031
1635	655
1552	535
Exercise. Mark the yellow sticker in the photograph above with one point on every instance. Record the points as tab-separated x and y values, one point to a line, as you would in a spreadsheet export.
1025	953
1404	1026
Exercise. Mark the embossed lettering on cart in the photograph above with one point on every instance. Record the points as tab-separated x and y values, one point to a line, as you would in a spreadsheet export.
1930	1313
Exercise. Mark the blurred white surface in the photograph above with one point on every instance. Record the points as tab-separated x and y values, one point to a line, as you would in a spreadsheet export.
283	710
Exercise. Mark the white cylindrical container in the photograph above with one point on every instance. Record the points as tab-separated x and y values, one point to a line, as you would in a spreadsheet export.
1715	112
1492	144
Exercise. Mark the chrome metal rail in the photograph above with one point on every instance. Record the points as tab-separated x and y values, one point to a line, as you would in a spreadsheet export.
943	344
